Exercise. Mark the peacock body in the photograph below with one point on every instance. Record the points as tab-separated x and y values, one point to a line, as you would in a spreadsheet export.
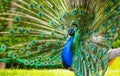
37	34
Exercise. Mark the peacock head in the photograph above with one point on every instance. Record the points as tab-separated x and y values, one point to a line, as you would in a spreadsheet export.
71	32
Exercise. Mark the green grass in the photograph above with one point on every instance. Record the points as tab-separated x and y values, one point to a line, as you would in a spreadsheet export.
56	72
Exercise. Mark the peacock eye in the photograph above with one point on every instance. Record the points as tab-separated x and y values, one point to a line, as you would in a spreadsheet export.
26	62
28	53
3	47
32	5
40	6
20	30
40	14
15	55
71	32
22	49
32	62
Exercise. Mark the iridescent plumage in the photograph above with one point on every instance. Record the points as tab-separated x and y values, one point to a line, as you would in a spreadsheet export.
38	33
67	52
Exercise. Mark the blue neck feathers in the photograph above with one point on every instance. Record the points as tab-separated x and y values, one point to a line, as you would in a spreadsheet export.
67	53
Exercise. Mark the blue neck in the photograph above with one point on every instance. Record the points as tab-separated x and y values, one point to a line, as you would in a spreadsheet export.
67	53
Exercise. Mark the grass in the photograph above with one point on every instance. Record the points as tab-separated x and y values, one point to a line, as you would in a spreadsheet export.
113	70
56	72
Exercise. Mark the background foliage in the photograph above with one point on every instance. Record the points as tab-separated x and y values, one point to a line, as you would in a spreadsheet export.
4	6
116	44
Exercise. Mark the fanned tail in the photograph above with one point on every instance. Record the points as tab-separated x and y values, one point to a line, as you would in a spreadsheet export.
35	37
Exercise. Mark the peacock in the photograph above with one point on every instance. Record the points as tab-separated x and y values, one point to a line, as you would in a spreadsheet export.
75	34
